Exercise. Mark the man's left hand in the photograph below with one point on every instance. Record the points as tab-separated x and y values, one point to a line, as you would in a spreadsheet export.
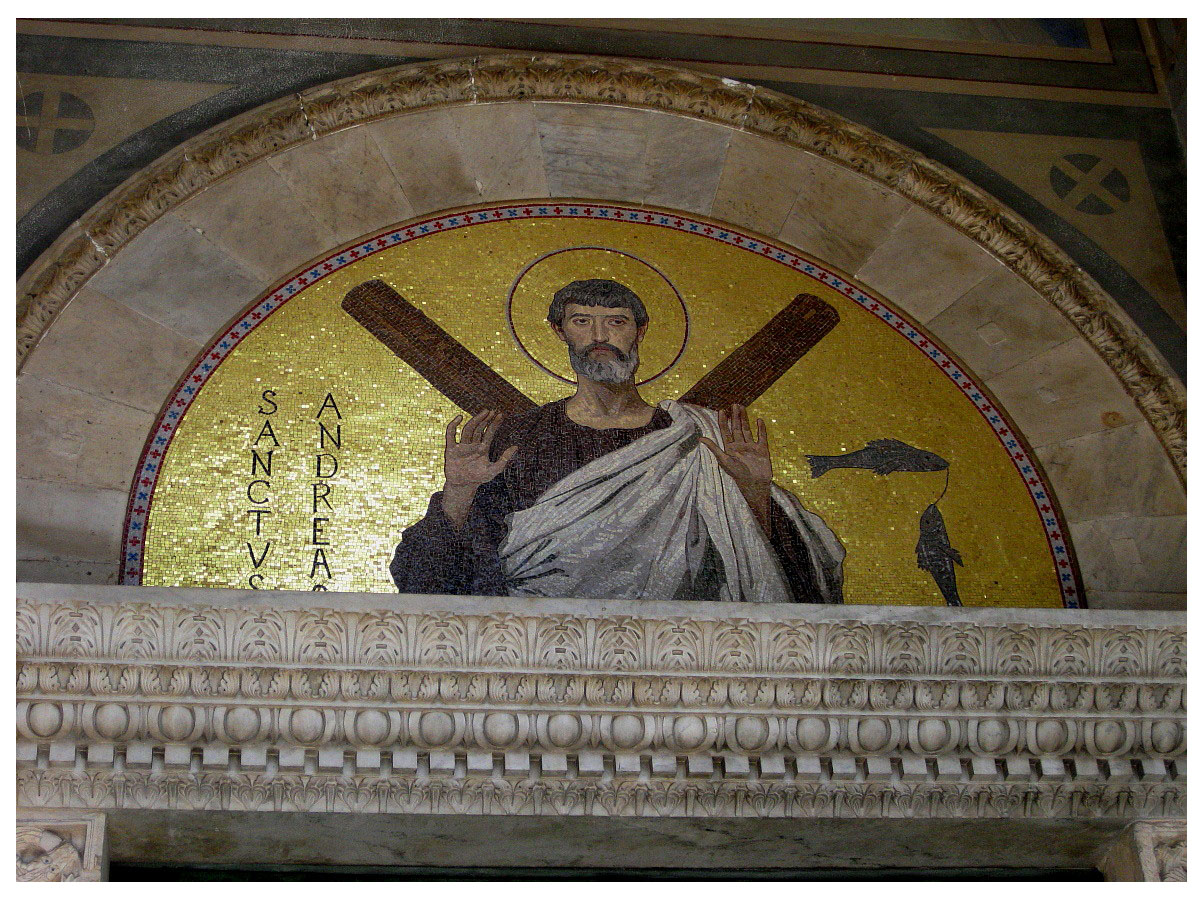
746	458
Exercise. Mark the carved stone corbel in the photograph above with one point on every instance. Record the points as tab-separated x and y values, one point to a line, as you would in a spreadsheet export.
61	845
1148	851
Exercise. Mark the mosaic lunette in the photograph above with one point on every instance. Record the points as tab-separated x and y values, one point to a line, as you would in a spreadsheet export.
864	381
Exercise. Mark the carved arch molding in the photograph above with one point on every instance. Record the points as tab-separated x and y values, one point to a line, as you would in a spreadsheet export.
80	253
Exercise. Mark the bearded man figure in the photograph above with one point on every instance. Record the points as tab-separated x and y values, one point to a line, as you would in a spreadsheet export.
600	495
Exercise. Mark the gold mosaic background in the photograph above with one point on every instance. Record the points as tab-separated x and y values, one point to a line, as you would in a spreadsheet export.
861	382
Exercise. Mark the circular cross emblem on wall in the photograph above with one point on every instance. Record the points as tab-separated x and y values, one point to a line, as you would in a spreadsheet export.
50	122
1089	184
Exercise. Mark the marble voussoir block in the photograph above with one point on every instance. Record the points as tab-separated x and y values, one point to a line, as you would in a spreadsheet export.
345	182
257	220
1099	599
68	571
924	265
685	158
1133	555
174	275
1064	393
89	345
1119	471
68	533
759	183
424	151
594	151
502	150
839	216
1000	323
65	435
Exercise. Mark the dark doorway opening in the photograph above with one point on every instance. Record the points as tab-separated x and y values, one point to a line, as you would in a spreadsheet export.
135	872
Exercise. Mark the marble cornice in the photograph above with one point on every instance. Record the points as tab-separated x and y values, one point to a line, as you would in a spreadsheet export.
80	253
199	699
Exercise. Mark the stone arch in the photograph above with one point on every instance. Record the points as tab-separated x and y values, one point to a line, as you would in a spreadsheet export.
240	206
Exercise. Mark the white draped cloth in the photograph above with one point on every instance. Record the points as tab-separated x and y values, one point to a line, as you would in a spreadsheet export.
660	519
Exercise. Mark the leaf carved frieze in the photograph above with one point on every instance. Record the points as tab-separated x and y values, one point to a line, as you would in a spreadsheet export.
133	703
256	135
506	795
320	638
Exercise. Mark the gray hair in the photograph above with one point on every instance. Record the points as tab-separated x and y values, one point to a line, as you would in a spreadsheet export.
596	292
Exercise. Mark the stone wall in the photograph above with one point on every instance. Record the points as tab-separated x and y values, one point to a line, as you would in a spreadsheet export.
114	311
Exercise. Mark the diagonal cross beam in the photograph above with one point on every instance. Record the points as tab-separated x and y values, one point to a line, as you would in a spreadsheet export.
450	367
469	383
747	373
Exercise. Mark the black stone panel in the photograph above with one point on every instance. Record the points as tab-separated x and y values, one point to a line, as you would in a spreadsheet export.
133	872
1128	71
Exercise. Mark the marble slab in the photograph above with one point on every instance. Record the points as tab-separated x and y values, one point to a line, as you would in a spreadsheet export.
89	346
65	435
697	611
174	275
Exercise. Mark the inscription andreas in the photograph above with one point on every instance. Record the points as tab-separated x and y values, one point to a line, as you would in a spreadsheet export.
326	466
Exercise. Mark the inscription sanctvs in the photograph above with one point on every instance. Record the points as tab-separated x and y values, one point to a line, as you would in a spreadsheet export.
258	491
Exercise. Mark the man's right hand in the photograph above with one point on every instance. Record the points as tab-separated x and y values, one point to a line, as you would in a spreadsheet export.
468	464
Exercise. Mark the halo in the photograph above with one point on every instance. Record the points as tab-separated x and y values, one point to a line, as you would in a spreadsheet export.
530	293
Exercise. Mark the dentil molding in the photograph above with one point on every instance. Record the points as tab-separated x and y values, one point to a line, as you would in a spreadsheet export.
230	147
157	698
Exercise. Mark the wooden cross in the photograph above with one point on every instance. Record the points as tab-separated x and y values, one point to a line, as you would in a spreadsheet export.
468	382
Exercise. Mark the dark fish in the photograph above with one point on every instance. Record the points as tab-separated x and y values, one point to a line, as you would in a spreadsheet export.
882	457
936	556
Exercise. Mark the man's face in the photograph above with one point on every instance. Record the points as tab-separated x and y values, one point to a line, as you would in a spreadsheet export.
602	341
